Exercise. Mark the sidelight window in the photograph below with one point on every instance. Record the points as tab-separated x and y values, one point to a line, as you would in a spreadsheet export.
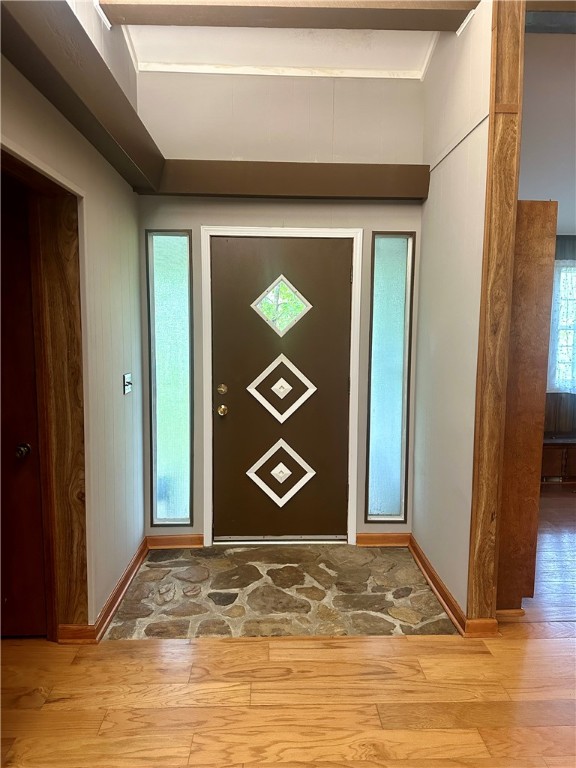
170	376
389	377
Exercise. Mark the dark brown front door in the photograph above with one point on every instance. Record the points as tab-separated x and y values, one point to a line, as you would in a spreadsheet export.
23	583
281	348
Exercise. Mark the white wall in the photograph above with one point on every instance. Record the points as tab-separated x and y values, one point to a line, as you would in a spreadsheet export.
299	119
190	213
548	160
456	144
110	295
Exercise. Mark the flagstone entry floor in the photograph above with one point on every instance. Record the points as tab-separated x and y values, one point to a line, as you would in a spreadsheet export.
272	590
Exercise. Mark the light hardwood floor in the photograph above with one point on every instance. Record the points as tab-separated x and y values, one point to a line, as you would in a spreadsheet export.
406	702
555	592
555	585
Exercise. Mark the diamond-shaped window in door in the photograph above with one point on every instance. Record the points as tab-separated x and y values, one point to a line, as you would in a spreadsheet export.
281	305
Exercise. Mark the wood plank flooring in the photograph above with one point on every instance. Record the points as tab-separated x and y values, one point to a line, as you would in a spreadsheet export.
555	587
350	702
403	702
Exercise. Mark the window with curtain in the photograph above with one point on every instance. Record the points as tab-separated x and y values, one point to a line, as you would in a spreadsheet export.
562	355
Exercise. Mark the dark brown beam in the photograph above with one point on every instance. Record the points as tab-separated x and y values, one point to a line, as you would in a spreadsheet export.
555	23
46	42
423	15
551	6
234	178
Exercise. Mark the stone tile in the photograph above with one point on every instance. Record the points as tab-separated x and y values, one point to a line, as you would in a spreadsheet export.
189	608
165	593
353	585
276	554
352	557
287	576
377	603
140	590
191	590
312	593
326	613
320	575
177	563
133	609
267	628
162	555
193	574
426	602
368	624
122	631
176	629
217	627
437	627
207	552
156	574
331	628
402	592
328	590
400	575
237	578
407	615
223	598
270	600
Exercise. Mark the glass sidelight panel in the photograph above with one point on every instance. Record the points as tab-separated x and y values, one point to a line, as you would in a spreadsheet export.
170	376
389	377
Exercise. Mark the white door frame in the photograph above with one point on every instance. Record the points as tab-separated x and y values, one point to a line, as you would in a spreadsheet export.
356	236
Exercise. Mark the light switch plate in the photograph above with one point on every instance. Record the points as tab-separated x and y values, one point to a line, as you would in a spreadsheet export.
127	381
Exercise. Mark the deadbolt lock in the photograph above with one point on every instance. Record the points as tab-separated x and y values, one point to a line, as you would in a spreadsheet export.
222	389
222	410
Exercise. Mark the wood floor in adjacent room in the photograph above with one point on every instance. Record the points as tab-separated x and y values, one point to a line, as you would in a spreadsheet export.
555	586
405	702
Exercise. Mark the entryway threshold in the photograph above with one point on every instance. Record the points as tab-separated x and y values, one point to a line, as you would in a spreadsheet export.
256	540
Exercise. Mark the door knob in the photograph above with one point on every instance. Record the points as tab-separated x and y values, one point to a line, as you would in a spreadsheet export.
23	450
222	389
222	410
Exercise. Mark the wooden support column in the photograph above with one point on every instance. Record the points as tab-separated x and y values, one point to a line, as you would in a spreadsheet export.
496	298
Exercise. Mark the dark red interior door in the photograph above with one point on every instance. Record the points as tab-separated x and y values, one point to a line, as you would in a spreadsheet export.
281	351
23	584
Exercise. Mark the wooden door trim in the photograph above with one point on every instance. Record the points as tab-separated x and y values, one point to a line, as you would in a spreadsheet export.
495	303
356	235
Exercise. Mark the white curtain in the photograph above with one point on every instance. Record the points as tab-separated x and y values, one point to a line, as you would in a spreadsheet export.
562	356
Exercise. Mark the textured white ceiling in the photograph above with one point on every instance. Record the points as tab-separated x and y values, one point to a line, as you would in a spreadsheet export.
304	52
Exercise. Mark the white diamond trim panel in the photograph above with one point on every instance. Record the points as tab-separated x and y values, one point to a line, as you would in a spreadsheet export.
253	389
281	472
281	500
281	388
